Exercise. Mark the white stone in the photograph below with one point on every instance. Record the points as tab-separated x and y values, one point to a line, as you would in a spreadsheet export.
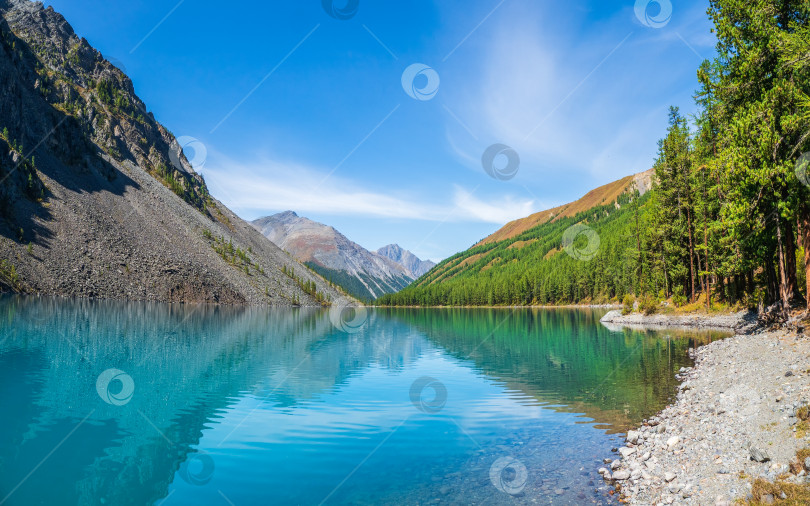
621	475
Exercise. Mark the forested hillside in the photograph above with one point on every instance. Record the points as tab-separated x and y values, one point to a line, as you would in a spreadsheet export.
728	218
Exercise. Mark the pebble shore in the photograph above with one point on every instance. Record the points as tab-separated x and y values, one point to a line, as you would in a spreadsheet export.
734	420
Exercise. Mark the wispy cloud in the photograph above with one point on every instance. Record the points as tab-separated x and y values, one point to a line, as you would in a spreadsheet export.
574	100
498	211
269	186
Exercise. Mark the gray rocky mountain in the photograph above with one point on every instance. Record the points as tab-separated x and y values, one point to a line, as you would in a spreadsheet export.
363	273
96	197
405	258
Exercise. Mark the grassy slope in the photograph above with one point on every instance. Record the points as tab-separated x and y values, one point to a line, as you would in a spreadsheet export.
529	266
600	196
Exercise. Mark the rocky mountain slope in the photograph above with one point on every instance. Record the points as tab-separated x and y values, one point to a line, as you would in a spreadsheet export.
96	198
406	259
362	273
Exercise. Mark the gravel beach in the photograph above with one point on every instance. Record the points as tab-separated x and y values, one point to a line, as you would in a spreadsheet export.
734	420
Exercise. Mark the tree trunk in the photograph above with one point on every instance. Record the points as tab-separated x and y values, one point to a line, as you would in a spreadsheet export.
773	284
790	262
708	287
640	266
786	258
804	233
666	278
691	254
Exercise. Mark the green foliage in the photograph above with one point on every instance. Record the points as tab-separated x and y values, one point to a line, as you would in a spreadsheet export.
349	283
9	276
531	268
308	287
121	102
727	210
627	304
186	187
234	255
231	254
111	94
648	304
21	176
104	90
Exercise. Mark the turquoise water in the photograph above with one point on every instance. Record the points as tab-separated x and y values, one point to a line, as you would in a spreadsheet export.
132	403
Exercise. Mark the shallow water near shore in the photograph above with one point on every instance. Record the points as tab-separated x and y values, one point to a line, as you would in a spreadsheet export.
138	403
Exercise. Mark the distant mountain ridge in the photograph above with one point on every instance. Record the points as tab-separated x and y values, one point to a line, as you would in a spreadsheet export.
362	273
406	259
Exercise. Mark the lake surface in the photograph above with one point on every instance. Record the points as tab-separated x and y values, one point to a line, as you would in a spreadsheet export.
135	403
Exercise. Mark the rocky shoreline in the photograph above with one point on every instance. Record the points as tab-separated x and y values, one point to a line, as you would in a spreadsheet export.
742	321
737	418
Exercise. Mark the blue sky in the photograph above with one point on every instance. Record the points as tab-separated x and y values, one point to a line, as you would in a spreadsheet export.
299	110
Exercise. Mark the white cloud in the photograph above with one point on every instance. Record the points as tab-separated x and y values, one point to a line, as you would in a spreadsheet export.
503	211
575	100
269	186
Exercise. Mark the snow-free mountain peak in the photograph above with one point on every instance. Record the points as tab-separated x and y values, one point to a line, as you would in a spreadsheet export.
416	266
363	273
